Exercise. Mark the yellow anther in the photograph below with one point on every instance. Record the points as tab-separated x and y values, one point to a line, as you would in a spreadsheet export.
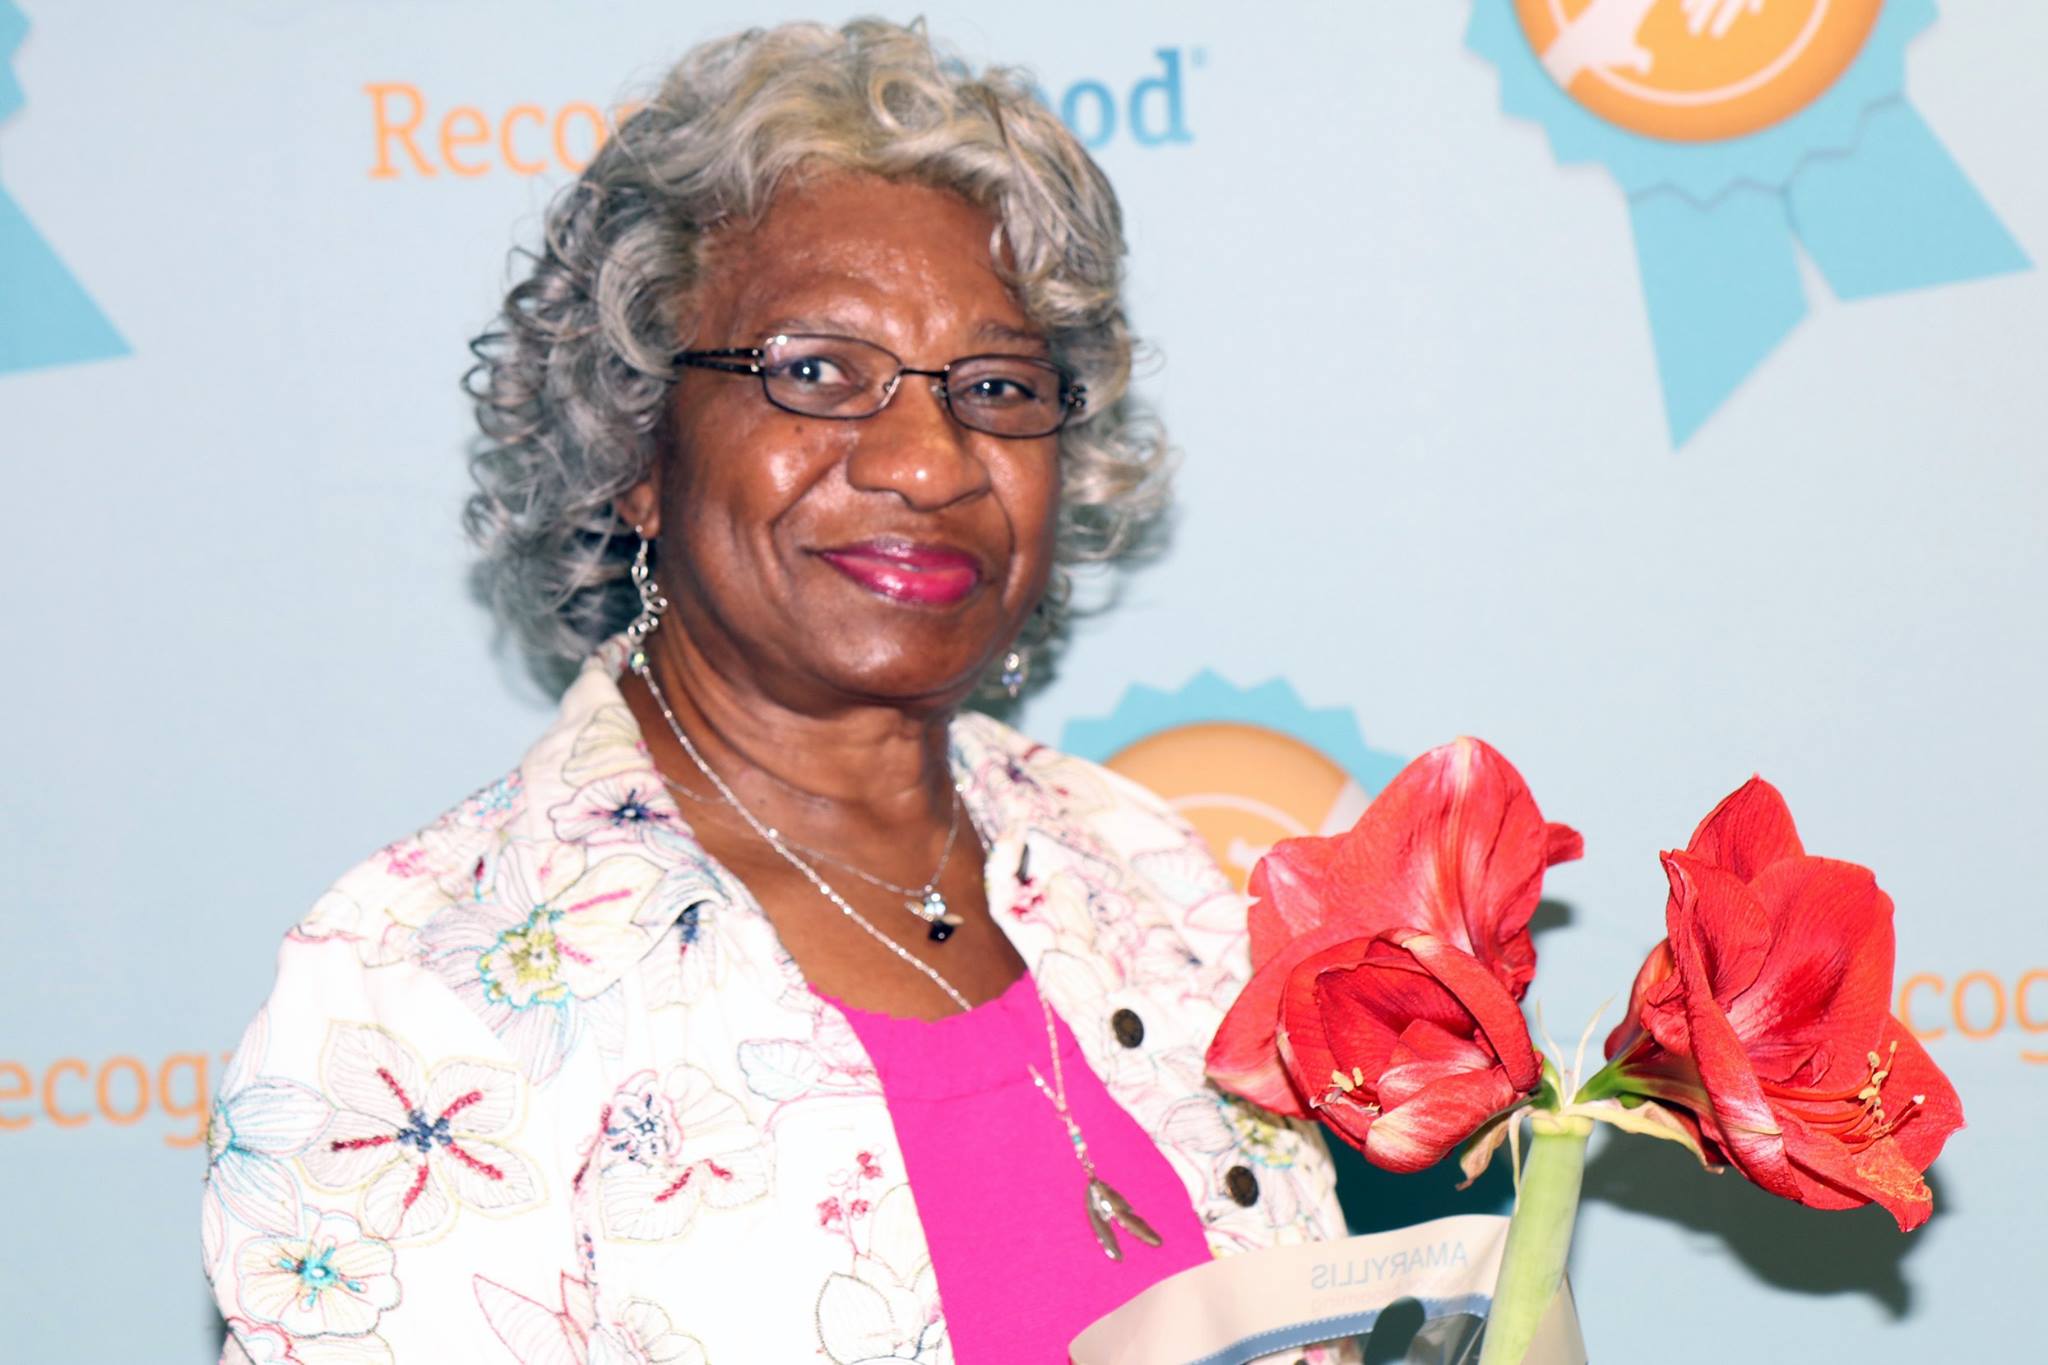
1342	1081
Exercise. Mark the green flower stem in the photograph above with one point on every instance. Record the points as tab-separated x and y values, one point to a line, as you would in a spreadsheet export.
1539	1235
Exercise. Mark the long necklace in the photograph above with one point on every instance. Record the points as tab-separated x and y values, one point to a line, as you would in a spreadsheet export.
927	902
1107	1210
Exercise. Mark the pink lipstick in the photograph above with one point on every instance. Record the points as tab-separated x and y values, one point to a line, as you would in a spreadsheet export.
906	571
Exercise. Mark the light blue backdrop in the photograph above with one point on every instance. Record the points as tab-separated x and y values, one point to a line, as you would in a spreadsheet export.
1427	476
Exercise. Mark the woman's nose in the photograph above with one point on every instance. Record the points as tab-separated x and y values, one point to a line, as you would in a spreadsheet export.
914	449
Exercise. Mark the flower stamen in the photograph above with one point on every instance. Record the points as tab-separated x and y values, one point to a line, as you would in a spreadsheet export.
1855	1115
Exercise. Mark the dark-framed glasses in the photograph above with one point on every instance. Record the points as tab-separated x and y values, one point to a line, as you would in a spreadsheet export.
845	378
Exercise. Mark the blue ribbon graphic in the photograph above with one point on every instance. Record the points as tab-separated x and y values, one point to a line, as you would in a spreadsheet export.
1857	178
46	317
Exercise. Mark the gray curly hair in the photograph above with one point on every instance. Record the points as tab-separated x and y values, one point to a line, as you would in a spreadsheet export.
570	381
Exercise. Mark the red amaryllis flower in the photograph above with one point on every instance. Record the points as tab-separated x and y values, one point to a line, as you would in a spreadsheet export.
1403	1045
1763	1019
1453	847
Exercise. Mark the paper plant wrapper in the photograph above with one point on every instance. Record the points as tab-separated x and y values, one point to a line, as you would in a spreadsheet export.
1240	1308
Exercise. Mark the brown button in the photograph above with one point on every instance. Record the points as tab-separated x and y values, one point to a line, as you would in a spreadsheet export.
1242	1184
1128	1027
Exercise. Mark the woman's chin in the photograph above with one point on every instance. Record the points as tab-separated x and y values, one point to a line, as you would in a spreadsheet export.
912	683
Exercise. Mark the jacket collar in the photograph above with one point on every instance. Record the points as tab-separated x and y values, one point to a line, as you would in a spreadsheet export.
592	795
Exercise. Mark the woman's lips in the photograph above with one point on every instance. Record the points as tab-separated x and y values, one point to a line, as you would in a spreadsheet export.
904	571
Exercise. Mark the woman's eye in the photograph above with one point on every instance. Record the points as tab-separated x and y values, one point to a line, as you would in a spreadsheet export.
813	370
1000	390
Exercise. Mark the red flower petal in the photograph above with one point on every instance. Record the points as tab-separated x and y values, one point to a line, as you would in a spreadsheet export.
1935	1109
1371	1028
1496	1012
1705	898
1346	1010
1292	894
1348	1114
1425	1130
1824	991
1244	1056
1732	927
1425	1054
1655	969
1565	845
1328	1006
1749	830
1834	1175
1456	846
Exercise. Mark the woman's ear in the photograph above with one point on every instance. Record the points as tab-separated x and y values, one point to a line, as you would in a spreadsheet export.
640	506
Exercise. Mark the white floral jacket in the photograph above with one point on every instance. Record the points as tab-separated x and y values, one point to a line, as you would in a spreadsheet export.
539	1083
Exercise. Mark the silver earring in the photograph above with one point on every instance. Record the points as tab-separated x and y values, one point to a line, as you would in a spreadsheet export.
652	605
1016	668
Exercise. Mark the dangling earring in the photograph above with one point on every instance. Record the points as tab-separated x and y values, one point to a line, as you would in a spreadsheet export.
652	605
1016	668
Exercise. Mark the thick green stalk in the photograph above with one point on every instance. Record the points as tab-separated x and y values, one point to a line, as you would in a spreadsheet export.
1539	1235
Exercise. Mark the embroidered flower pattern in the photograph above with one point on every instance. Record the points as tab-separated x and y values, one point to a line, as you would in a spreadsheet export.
417	1144
665	1151
694	960
639	1333
257	1125
538	944
251	1343
887	1308
1224	1133
607	742
623	808
326	1279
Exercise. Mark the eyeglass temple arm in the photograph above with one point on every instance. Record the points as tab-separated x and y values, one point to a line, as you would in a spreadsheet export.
714	360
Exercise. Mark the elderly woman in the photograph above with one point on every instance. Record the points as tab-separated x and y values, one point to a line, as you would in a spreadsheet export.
774	1008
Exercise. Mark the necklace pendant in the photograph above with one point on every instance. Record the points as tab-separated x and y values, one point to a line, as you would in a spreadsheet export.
1108	1210
932	907
939	932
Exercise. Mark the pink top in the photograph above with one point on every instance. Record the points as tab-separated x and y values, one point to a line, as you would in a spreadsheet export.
1001	1197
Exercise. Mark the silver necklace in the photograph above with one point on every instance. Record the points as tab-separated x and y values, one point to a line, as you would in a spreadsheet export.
1107	1210
927	902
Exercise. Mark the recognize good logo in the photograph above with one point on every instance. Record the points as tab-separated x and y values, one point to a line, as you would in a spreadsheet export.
1697	69
1246	767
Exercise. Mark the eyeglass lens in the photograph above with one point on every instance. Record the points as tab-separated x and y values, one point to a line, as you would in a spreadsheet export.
827	376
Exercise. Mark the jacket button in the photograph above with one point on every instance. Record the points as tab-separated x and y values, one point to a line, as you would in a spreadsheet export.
1242	1184
1128	1027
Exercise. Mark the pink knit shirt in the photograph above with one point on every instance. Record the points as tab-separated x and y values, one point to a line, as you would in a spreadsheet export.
997	1186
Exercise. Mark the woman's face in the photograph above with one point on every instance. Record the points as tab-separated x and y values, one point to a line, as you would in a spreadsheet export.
889	558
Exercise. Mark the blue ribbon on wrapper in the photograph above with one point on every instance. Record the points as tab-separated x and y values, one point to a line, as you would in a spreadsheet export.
46	317
1856	178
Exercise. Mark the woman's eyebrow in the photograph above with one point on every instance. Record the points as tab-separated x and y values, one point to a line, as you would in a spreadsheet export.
816	324
993	331
988	332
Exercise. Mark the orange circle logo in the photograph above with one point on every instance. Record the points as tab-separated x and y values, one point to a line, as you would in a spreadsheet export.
1696	70
1243	787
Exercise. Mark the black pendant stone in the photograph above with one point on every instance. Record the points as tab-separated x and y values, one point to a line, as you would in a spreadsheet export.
940	931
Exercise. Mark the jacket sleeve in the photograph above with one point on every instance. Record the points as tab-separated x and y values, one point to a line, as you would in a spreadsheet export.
381	1174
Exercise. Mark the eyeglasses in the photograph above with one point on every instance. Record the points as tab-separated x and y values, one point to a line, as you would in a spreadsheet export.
846	379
